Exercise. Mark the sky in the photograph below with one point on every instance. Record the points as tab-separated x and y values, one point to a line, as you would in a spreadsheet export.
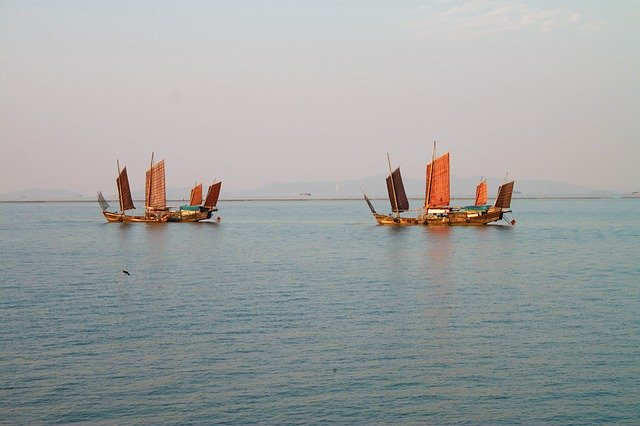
256	92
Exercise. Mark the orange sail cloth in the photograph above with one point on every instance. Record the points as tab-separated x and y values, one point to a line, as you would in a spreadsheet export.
438	191
212	195
124	191
481	193
397	195
504	195
196	195
155	191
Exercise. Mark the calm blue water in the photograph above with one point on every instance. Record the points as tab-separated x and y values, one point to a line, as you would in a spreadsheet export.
308	312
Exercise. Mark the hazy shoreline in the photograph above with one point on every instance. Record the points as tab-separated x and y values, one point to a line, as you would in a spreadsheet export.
262	199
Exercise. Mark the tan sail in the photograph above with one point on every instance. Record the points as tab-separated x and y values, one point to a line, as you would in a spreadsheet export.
104	205
124	191
438	189
481	193
196	195
212	195
504	195
397	194
155	189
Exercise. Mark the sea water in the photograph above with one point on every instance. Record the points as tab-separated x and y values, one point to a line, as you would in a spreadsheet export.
308	312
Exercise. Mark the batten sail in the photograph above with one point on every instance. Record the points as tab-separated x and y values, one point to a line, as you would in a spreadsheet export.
504	195
212	195
481	193
369	203
438	183
155	188
104	205
397	194
196	195
124	191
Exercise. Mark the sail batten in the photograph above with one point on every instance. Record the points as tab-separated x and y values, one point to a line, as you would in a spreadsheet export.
504	195
438	184
155	188
481	193
196	195
124	191
397	194
212	195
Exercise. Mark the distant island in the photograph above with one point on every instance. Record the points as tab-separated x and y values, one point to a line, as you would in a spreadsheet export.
461	188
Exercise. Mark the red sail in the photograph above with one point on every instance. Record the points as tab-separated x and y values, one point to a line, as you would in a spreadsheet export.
155	192
212	195
438	194
397	195
481	193
504	195
196	195
124	192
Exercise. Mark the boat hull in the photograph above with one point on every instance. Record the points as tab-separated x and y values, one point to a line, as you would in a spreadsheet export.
451	218
162	216
397	221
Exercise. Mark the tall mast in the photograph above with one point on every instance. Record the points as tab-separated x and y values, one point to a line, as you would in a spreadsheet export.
503	181
393	187
119	186
433	159
148	201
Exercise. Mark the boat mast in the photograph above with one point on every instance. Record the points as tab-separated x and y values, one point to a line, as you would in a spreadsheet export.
148	200
433	159
119	187
393	187
503	181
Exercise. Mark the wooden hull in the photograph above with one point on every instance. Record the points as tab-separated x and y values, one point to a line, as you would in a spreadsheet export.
163	216
449	218
191	215
397	221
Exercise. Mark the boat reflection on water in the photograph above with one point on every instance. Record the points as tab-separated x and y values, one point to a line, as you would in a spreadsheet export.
439	254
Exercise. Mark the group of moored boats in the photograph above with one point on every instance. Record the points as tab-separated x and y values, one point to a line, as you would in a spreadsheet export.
436	209
156	209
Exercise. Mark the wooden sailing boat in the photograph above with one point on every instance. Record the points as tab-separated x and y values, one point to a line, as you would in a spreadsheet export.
398	199
156	209
195	212
437	209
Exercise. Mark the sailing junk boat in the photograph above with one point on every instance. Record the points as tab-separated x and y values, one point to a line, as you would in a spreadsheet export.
156	209
398	199
437	209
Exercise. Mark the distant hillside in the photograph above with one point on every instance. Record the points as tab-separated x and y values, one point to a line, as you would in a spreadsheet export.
42	195
375	187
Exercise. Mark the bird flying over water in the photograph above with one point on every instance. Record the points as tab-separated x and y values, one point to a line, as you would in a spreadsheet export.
125	272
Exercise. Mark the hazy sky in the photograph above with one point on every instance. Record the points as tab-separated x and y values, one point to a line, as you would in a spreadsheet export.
266	91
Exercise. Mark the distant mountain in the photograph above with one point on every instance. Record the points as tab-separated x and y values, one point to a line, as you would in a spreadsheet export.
551	188
461	187
64	195
374	186
42	195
